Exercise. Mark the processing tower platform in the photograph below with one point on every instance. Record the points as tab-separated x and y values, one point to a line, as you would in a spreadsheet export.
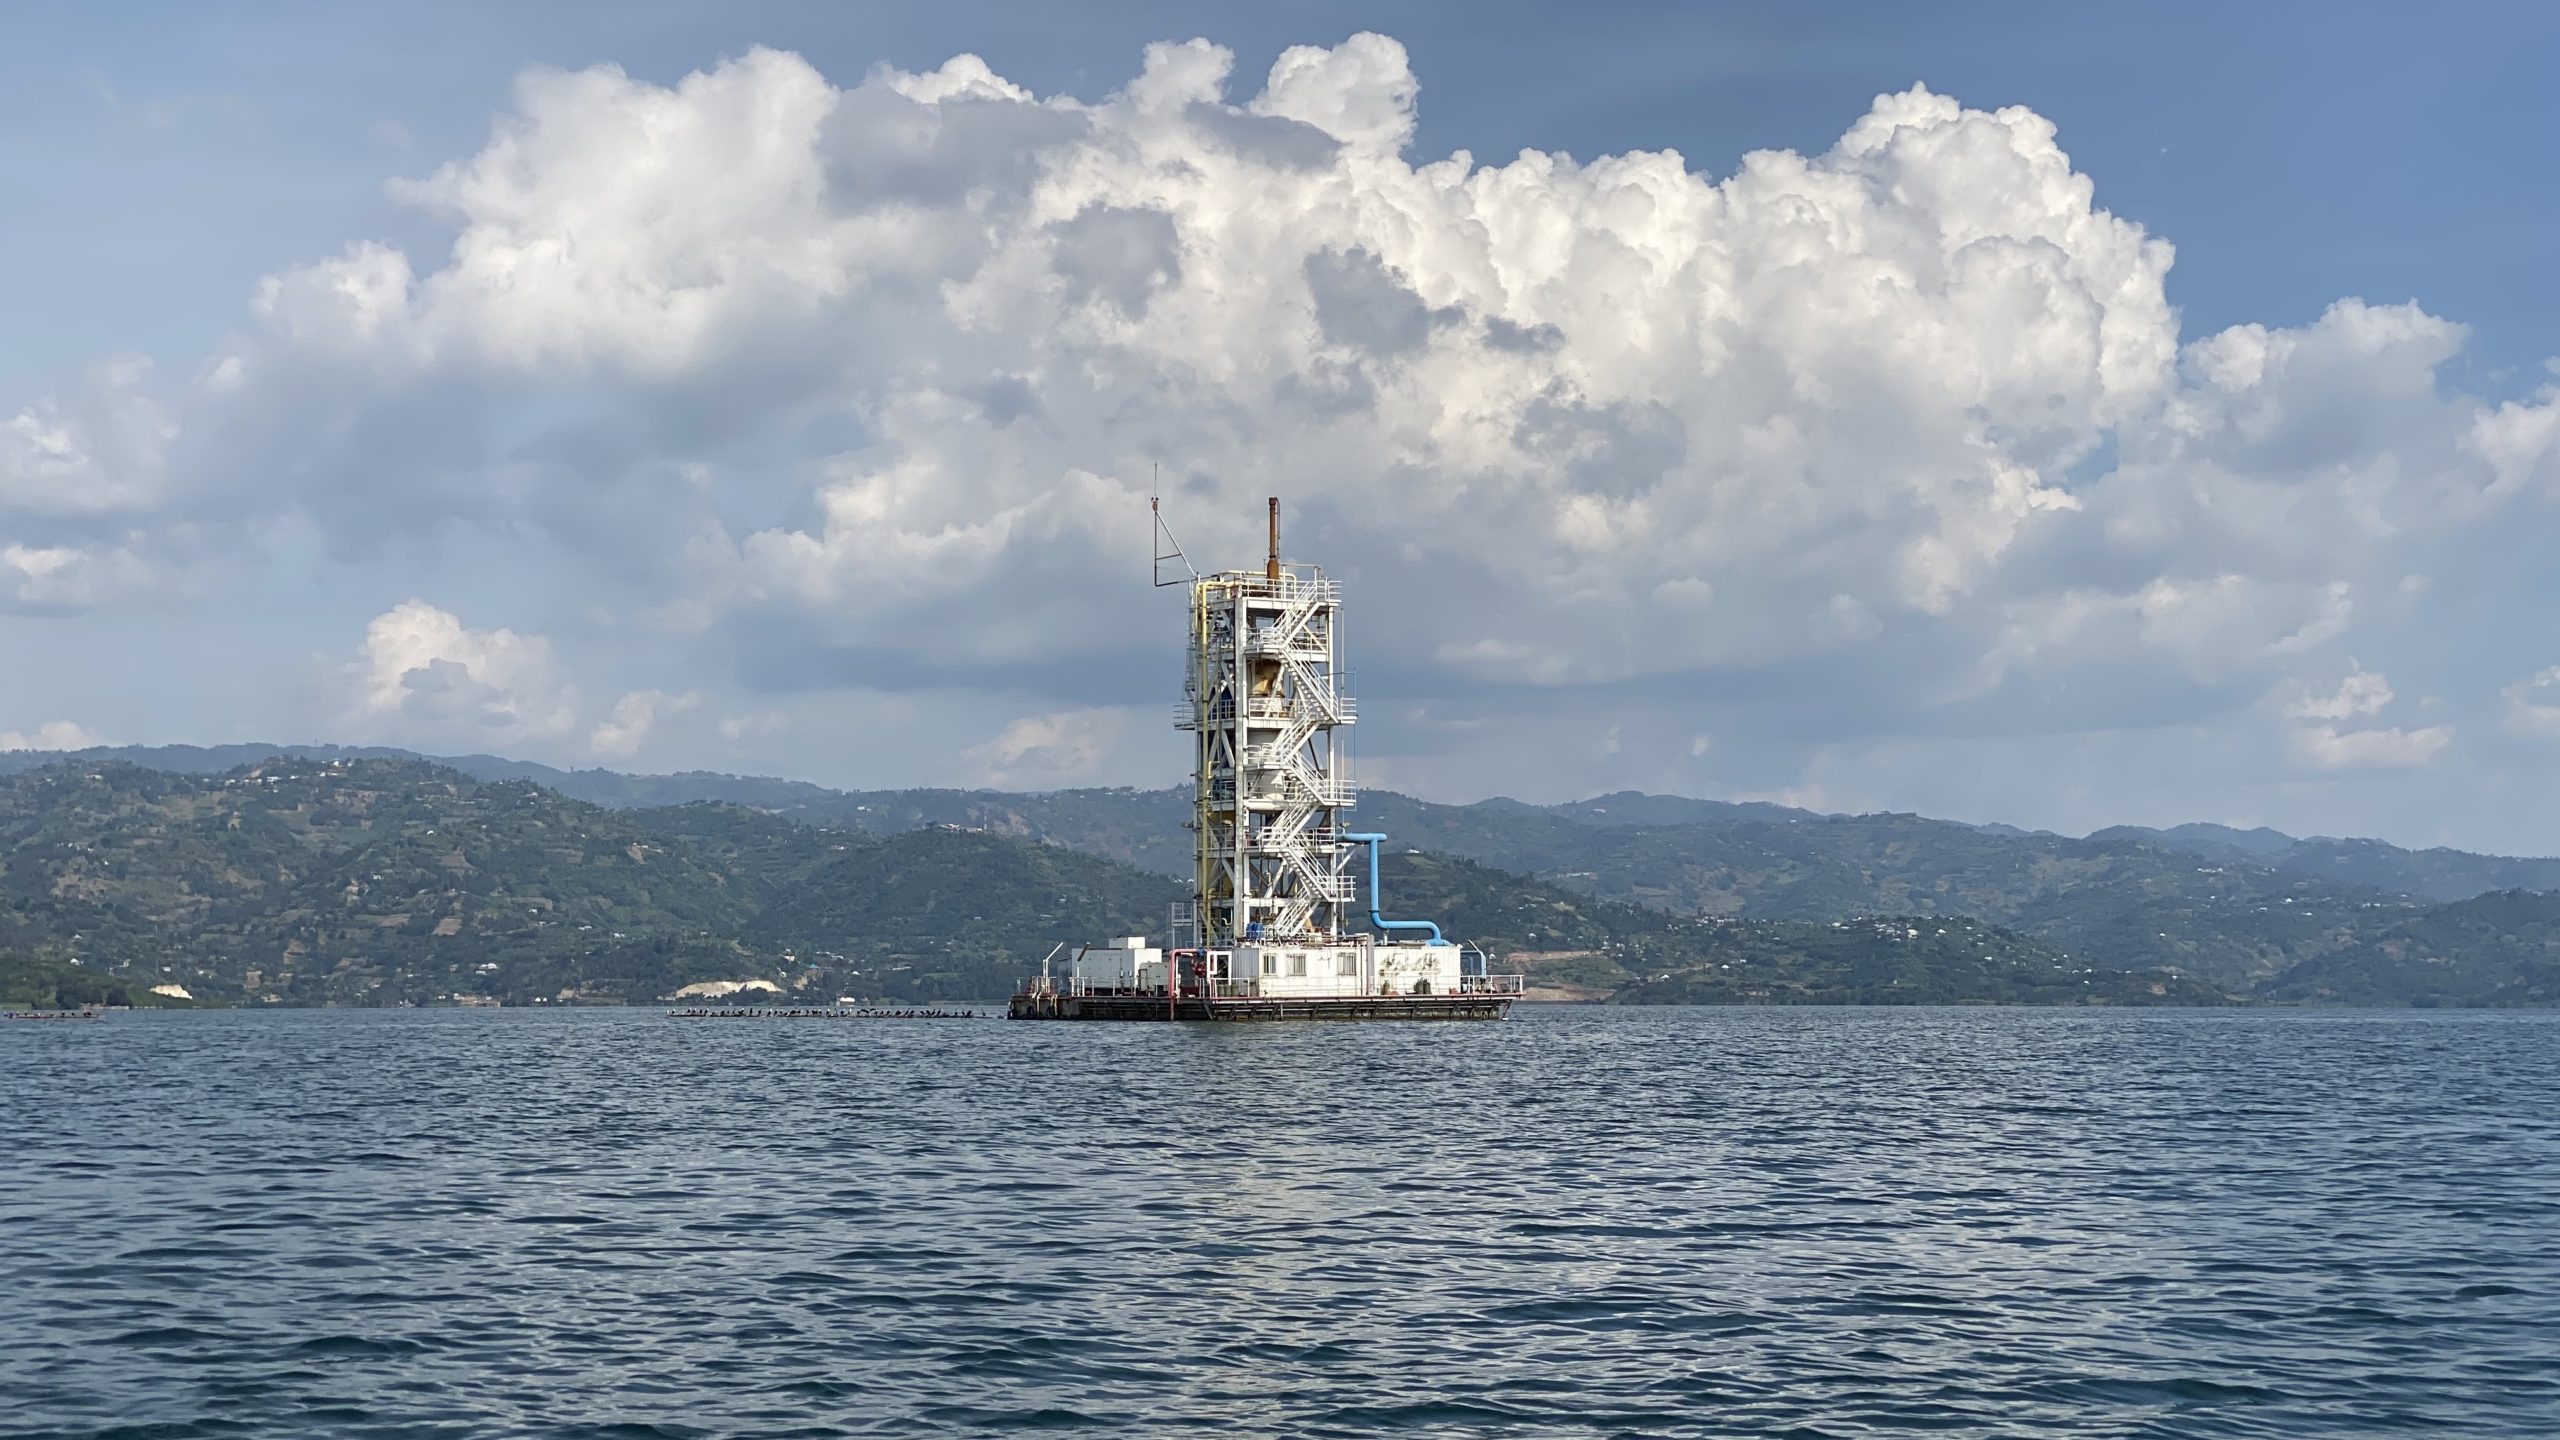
1271	931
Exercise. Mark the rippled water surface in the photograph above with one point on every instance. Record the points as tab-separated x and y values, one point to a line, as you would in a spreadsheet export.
1578	1222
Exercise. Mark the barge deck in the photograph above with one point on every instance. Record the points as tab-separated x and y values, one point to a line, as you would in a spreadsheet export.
1478	997
1034	1006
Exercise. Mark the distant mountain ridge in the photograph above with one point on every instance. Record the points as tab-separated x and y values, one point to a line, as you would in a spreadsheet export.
369	881
2379	864
2499	949
2434	873
2233	908
2217	841
373	881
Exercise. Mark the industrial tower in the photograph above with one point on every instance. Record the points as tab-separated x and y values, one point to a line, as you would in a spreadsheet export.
1270	931
1265	706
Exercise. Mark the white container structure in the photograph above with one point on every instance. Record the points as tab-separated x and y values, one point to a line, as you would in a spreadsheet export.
1271	929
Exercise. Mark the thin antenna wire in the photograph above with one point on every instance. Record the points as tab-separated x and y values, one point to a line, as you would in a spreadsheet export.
1166	548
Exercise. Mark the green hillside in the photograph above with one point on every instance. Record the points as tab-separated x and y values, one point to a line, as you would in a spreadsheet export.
1638	955
2497	949
2435	874
2234	906
383	881
389	881
958	913
2139	906
51	985
349	879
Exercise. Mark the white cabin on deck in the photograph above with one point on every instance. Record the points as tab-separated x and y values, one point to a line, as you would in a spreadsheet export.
1361	968
1125	964
1357	967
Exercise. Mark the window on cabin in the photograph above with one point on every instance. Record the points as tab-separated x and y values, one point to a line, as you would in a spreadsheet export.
1347	965
1298	963
1270	963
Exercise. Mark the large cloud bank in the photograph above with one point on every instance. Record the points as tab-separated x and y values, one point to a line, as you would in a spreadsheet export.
1850	470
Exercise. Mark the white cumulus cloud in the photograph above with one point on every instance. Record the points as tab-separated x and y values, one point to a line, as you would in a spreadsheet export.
52	735
627	728
1044	751
2361	693
99	447
422	663
2533	704
2326	743
2331	748
1620	381
860	387
72	577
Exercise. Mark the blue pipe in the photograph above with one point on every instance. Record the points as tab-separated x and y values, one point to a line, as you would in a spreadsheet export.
1377	919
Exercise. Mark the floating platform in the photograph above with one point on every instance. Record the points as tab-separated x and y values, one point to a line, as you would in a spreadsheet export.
57	1015
1272	928
1032	1005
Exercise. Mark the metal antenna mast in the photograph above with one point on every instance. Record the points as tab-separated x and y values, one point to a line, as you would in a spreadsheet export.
1167	548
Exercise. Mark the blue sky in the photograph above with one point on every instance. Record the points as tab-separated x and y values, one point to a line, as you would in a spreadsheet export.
656	549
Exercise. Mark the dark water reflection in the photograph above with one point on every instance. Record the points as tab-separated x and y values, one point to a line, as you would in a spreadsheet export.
1806	1223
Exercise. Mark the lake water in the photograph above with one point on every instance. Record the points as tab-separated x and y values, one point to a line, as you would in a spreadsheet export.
1580	1222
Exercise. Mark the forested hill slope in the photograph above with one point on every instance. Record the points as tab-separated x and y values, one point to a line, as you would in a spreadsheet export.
2236	910
2499	949
2434	874
1678	853
373	881
1637	955
384	881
